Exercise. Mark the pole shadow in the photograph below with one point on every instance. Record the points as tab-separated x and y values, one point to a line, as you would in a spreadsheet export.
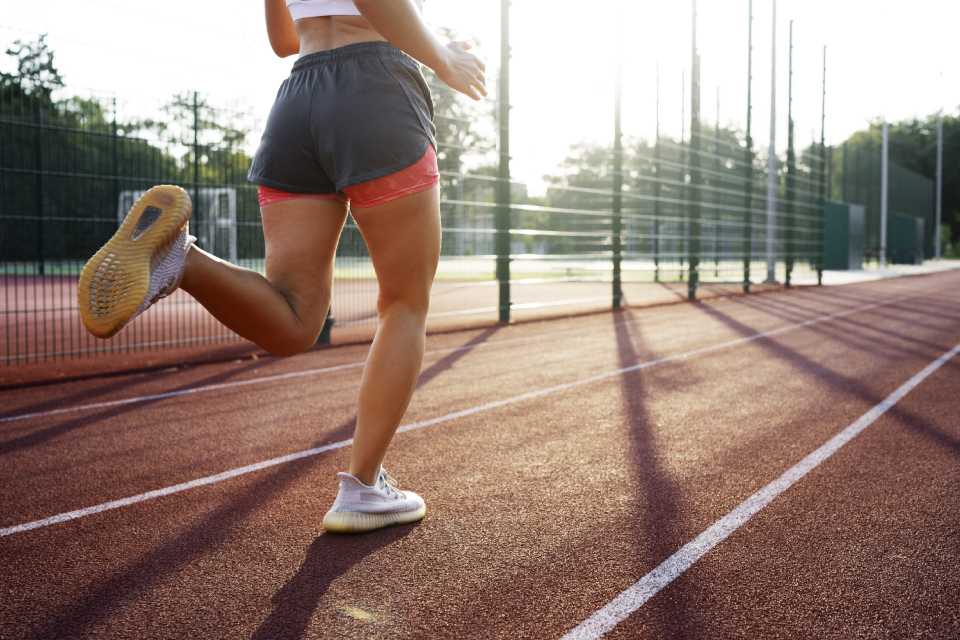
659	501
792	307
87	395
848	384
294	603
44	435
883	344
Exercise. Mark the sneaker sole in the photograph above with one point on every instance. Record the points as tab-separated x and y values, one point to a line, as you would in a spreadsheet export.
114	282
357	522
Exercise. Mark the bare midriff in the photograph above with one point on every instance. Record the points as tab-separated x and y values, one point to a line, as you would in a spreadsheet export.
330	32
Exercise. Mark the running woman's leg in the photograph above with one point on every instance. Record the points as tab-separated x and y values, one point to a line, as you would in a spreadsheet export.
284	311
403	238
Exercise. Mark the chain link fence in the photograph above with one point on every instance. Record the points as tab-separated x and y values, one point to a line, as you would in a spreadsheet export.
639	219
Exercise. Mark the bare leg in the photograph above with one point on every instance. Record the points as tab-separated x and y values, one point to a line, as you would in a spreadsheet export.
284	311
403	238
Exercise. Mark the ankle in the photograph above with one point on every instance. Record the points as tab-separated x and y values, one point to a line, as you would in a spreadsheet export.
367	476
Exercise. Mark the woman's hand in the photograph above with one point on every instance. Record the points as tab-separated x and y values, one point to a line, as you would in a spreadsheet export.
462	70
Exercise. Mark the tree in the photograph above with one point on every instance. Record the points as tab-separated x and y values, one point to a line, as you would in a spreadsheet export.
36	76
67	161
913	145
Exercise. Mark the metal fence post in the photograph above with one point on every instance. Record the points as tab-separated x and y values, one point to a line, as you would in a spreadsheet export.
694	249
38	159
748	155
115	155
938	196
772	182
884	192
823	166
503	173
196	159
617	222
682	241
718	170
656	190
791	169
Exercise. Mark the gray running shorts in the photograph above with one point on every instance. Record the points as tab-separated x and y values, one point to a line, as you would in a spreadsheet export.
343	117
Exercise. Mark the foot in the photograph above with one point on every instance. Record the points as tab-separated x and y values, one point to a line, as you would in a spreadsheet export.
360	507
141	263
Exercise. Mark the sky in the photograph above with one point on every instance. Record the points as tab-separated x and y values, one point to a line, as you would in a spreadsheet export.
885	58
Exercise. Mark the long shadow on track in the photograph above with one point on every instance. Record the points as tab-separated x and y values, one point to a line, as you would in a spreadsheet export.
40	436
659	499
295	602
883	344
87	395
795	312
839	381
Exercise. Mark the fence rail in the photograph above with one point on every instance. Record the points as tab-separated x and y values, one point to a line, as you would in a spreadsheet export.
673	215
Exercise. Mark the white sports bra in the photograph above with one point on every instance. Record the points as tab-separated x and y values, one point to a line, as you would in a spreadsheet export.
314	8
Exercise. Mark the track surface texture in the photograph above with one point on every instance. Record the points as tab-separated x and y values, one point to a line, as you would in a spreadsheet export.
554	481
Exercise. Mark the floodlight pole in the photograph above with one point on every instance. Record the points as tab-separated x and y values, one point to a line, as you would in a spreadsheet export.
884	189
772	159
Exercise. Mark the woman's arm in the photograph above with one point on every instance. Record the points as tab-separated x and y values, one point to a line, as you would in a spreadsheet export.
399	22
280	29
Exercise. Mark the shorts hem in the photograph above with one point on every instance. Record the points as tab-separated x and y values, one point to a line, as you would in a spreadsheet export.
379	173
284	186
396	195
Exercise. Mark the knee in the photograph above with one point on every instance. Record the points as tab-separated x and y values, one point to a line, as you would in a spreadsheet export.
302	335
411	303
291	344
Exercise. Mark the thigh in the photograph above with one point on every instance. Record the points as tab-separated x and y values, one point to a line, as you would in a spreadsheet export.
403	238
301	237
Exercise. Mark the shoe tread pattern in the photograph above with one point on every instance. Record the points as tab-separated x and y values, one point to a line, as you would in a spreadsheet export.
114	282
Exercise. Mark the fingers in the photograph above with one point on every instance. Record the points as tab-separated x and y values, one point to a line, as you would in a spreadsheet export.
462	45
480	83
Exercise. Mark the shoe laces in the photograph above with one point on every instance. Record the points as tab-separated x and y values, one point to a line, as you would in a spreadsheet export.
389	484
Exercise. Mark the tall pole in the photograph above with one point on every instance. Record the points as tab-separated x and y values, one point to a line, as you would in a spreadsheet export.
884	175
694	249
939	209
503	173
748	159
656	190
196	165
685	194
791	167
772	159
718	168
823	166
617	174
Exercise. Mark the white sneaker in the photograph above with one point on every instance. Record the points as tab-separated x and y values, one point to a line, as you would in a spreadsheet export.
141	263
360	507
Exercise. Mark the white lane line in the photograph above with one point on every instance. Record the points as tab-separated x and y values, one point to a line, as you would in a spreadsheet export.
281	376
236	383
637	594
239	471
177	393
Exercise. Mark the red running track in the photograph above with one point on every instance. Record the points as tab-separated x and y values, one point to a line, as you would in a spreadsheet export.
554	479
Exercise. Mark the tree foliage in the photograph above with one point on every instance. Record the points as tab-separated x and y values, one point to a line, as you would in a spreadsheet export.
66	161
